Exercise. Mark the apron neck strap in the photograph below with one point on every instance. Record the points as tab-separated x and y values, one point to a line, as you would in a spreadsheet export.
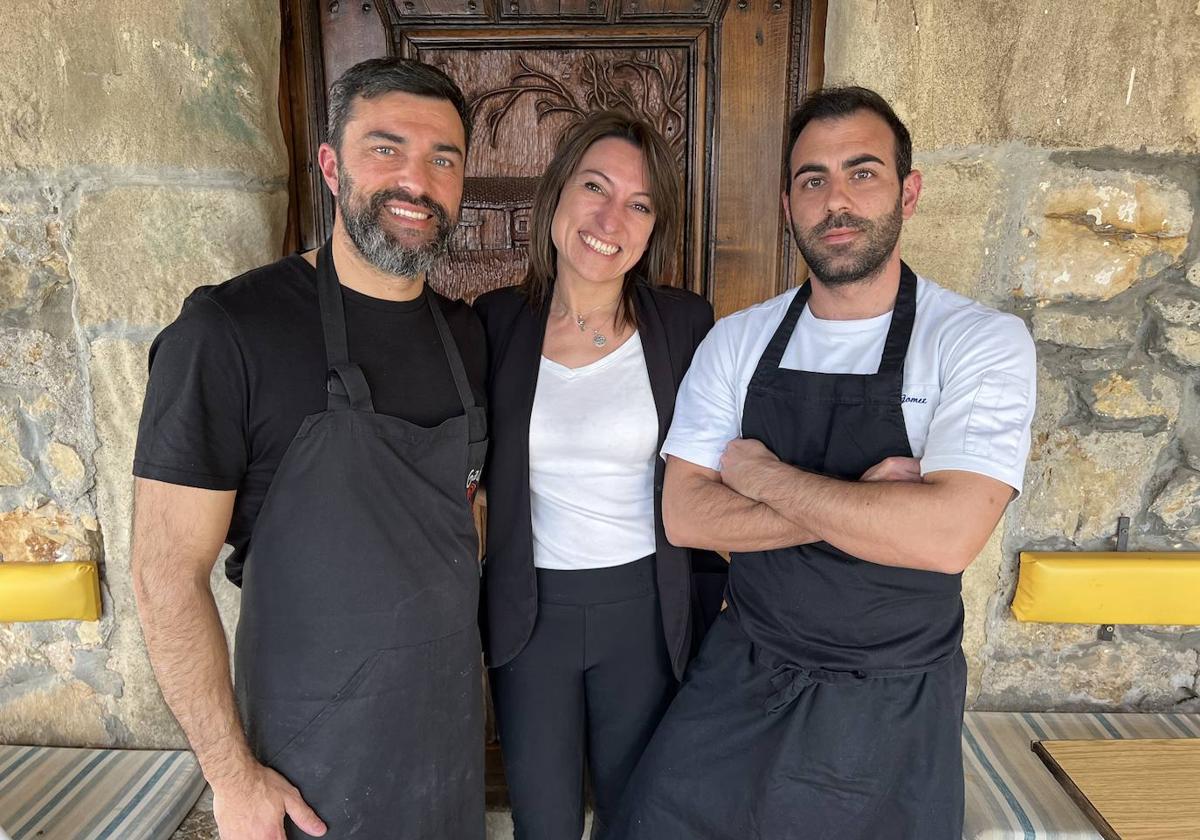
900	330
773	355
344	381
895	348
453	357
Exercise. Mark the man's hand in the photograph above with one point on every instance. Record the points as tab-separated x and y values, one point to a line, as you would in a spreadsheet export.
894	469
746	467
251	806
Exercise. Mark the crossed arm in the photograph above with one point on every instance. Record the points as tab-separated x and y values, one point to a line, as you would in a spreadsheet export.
889	516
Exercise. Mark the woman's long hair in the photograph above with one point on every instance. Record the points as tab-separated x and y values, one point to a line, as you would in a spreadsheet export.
666	195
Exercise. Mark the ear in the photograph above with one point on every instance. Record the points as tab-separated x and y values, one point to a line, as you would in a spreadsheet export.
787	207
910	191
327	160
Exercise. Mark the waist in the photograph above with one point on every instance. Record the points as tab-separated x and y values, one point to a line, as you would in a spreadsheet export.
585	587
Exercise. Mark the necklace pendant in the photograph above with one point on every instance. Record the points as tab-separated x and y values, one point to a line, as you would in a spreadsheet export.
579	322
599	340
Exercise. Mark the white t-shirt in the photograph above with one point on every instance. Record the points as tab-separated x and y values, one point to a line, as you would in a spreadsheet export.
592	439
969	380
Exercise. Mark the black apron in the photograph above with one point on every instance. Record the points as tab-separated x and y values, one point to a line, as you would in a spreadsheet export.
357	655
827	700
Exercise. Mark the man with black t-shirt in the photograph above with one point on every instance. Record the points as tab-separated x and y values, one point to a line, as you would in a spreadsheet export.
323	415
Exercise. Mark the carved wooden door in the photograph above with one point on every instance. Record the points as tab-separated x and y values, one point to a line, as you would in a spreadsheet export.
718	78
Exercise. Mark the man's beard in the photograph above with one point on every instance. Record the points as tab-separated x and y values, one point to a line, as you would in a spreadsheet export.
378	246
879	238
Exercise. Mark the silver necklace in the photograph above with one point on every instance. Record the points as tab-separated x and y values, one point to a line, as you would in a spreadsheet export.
598	338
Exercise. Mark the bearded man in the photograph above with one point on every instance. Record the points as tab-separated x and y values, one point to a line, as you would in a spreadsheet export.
852	443
323	416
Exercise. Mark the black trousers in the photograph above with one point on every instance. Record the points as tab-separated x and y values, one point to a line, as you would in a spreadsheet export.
590	686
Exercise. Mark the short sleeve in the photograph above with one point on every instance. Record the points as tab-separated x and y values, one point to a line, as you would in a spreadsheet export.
982	422
708	405
193	425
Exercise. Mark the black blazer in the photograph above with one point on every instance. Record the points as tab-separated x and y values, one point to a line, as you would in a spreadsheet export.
671	323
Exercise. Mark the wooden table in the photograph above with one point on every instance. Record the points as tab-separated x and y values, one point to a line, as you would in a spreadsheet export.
1131	789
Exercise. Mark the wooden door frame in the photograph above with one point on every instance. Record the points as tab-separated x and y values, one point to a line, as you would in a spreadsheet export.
303	84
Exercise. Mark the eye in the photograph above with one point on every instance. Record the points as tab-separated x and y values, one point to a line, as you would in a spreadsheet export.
813	183
444	163
643	208
863	174
592	186
384	150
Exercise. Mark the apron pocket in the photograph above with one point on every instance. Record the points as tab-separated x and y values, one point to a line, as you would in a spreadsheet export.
327	711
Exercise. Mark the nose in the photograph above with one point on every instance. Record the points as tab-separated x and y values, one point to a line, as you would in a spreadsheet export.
411	175
606	217
837	197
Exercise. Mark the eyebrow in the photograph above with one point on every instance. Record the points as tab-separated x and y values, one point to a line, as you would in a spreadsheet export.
610	180
399	140
849	164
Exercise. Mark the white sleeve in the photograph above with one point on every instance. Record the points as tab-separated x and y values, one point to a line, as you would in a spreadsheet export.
708	407
989	382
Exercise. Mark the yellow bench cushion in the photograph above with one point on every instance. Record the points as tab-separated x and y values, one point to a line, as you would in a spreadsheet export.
46	591
1126	587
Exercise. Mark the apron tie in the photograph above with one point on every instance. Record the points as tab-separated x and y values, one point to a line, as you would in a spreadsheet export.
788	680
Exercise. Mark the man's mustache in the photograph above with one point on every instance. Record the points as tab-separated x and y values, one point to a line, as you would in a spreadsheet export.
840	220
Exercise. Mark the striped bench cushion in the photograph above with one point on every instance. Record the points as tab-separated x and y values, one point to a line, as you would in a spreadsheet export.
58	793
1010	793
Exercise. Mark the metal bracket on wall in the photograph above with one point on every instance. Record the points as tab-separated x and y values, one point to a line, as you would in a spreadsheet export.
1106	631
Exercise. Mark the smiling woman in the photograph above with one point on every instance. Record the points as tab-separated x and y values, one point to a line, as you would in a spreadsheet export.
587	603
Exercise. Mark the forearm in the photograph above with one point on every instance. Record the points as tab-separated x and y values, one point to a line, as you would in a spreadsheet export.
700	513
188	650
918	525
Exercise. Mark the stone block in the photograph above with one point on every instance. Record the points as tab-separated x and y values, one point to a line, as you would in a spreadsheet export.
1092	235
951	239
1083	329
14	469
34	280
134	84
68	476
47	534
1178	504
1193	275
44	372
1055	73
1064	673
61	713
1079	482
170	240
1180	335
1136	394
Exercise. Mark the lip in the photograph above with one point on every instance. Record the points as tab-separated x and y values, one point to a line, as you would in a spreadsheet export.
584	236
838	236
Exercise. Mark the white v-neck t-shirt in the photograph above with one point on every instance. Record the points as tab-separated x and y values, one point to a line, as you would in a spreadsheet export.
593	435
969	380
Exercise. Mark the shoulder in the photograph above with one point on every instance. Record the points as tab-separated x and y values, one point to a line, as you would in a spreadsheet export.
269	291
498	302
961	325
759	320
681	306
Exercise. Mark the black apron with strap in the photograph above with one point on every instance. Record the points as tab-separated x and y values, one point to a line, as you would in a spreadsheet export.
357	656
814	605
827	700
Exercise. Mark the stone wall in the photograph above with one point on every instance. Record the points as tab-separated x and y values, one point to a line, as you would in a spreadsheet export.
141	157
1061	149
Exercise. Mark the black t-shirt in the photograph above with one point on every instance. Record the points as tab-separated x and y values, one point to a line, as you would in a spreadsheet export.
233	377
